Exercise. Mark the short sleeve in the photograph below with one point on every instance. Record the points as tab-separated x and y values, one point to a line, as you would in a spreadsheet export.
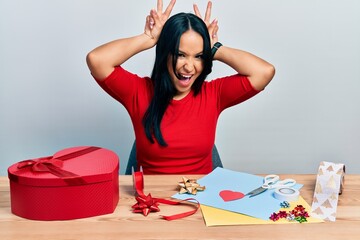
234	90
125	86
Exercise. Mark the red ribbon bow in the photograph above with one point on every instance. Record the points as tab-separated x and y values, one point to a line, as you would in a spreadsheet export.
146	203
54	165
47	164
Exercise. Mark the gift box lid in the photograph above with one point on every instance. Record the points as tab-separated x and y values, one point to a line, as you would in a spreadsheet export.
70	166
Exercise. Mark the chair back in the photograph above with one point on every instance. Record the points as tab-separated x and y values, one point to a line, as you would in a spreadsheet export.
132	162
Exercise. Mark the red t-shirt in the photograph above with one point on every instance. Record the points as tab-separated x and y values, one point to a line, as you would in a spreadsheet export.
188	125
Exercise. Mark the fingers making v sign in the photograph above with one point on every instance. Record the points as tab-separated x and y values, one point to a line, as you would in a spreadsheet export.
157	18
212	26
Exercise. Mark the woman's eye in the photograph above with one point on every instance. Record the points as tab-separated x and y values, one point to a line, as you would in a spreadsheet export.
181	55
199	56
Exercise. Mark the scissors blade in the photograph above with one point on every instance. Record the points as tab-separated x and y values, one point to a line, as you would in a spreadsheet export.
256	191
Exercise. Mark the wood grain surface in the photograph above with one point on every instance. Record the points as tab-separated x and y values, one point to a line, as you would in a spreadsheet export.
123	224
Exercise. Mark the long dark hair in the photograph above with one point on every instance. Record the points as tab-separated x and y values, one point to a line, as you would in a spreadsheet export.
164	90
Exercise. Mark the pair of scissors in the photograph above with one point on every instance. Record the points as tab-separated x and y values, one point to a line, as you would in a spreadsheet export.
271	182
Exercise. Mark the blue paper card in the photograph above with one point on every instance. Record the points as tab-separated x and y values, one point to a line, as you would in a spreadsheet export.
220	179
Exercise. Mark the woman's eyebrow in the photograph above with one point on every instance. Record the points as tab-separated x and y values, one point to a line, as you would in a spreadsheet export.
182	52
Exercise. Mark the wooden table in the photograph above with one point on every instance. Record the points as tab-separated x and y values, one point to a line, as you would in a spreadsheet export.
123	224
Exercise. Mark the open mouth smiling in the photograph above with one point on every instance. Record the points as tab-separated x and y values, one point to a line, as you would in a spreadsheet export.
184	77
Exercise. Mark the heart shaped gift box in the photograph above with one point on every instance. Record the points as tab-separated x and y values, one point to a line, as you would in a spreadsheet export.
76	182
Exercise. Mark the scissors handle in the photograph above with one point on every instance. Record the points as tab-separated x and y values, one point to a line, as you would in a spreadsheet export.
285	183
272	181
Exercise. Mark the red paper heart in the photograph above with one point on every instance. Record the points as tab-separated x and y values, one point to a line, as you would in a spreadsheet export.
228	195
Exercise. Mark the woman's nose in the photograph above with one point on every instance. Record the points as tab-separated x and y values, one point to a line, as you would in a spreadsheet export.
189	66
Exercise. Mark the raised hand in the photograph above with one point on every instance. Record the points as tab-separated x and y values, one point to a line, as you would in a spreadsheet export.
212	26
157	18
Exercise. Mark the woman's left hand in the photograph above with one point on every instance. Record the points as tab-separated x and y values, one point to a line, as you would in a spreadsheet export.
212	26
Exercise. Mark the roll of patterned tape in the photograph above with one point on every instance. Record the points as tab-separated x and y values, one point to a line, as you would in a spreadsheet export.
329	184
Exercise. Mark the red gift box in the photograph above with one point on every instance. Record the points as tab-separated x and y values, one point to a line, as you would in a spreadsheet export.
76	182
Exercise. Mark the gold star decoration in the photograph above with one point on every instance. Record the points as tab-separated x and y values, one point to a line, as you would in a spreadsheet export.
190	186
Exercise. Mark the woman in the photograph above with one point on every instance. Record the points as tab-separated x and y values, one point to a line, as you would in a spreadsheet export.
175	112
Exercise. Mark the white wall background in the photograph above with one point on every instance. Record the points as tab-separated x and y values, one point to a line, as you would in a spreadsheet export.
309	113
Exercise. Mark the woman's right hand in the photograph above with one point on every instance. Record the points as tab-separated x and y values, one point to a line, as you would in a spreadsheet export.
156	19
103	59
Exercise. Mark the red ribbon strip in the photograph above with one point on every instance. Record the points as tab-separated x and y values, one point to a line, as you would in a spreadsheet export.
54	165
146	203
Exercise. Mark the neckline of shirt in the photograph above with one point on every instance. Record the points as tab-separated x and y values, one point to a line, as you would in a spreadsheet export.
184	99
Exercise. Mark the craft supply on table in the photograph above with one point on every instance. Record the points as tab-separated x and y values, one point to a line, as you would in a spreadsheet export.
285	204
146	203
286	194
190	186
224	184
218	217
329	184
271	182
298	214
